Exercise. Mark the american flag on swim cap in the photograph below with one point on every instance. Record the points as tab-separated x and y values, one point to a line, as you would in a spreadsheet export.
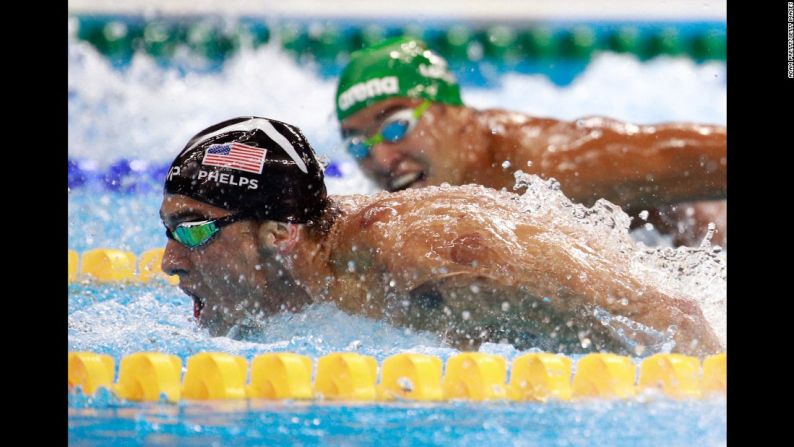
235	156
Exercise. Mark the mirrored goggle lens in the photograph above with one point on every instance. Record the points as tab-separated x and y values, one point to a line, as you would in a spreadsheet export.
358	149
194	235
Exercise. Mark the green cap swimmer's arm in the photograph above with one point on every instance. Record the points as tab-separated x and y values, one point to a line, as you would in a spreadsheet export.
635	166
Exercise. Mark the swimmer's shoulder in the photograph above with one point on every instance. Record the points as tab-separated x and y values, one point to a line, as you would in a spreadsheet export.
496	118
363	214
423	209
455	224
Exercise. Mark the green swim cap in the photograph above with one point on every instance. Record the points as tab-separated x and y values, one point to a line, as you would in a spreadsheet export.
401	67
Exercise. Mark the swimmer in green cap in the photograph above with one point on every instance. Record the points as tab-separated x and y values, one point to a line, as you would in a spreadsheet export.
403	120
253	233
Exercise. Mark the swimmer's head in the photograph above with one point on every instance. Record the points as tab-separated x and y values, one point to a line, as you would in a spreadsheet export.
235	201
259	166
401	116
402	67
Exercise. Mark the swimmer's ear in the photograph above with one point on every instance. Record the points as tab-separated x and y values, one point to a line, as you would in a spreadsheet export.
277	237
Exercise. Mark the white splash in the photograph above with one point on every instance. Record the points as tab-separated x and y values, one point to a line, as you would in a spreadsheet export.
147	111
618	86
698	273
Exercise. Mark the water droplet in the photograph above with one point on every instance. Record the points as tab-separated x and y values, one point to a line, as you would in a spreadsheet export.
465	314
585	342
644	214
351	266
405	384
505	306
506	165
474	288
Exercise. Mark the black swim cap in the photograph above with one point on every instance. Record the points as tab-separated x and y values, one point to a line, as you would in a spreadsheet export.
254	165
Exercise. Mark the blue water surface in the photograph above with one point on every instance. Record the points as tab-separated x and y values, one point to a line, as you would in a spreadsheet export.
258	422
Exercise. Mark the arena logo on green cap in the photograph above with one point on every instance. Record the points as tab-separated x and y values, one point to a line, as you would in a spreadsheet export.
387	85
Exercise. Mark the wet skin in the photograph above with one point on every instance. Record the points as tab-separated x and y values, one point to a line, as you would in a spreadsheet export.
465	262
638	167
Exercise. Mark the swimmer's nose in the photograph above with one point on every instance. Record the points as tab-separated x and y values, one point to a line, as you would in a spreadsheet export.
385	156
175	259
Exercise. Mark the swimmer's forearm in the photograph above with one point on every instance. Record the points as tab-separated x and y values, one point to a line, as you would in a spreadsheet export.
692	333
683	317
471	304
608	286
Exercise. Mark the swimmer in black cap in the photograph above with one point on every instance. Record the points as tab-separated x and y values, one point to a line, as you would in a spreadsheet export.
252	233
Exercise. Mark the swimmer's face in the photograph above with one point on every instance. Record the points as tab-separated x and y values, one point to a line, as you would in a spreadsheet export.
428	154
226	277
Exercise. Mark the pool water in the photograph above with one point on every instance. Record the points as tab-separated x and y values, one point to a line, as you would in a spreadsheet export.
145	112
630	423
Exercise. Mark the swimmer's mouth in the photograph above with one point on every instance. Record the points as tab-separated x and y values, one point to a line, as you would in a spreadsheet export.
198	305
405	181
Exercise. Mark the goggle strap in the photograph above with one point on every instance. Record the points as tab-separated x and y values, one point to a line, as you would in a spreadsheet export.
375	139
226	220
421	109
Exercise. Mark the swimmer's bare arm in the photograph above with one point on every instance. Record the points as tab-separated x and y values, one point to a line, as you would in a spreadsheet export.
480	306
470	284
634	166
